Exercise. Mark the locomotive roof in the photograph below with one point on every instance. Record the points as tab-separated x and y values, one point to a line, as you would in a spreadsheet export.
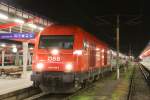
73	28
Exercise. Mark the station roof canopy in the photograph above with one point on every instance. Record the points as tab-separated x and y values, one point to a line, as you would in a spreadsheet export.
16	20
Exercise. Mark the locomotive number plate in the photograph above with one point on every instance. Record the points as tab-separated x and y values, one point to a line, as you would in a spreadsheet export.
53	58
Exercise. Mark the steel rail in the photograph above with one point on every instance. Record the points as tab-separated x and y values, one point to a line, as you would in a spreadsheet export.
146	74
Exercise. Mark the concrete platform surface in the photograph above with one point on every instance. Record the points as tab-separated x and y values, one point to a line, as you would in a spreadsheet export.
9	85
146	62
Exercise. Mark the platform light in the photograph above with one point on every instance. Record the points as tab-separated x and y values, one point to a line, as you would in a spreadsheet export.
20	21
55	51
32	25
14	46
40	28
14	50
145	53
126	57
77	52
68	67
40	66
3	45
114	53
140	57
31	48
119	54
3	16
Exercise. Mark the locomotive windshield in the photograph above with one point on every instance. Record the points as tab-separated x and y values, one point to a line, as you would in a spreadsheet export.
56	41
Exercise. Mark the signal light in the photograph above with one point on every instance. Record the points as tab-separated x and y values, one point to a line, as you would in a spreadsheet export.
3	16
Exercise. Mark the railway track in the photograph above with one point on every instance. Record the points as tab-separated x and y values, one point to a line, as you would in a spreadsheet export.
32	93
132	87
36	96
48	96
140	73
78	92
54	97
146	74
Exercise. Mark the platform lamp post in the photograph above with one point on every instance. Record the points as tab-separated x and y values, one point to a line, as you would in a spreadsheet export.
117	46
25	59
3	58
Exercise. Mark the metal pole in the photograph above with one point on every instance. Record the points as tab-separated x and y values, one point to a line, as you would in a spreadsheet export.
29	58
117	46
111	59
17	59
3	57
21	29
9	29
25	58
130	52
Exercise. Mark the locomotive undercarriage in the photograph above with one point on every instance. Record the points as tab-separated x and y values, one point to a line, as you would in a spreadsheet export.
54	82
59	82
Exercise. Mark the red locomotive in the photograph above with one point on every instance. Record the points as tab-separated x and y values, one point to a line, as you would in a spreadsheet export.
66	57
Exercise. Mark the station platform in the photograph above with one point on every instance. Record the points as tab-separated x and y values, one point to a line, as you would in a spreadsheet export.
12	84
146	63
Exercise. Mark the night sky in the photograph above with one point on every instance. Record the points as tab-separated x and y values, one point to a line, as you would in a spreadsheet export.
99	18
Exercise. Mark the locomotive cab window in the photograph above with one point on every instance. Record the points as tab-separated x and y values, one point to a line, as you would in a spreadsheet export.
56	41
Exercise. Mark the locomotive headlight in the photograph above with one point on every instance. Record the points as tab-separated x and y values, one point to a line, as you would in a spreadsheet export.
40	66
68	67
55	51
14	50
78	52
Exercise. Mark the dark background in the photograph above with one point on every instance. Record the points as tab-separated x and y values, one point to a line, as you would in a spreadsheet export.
99	18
